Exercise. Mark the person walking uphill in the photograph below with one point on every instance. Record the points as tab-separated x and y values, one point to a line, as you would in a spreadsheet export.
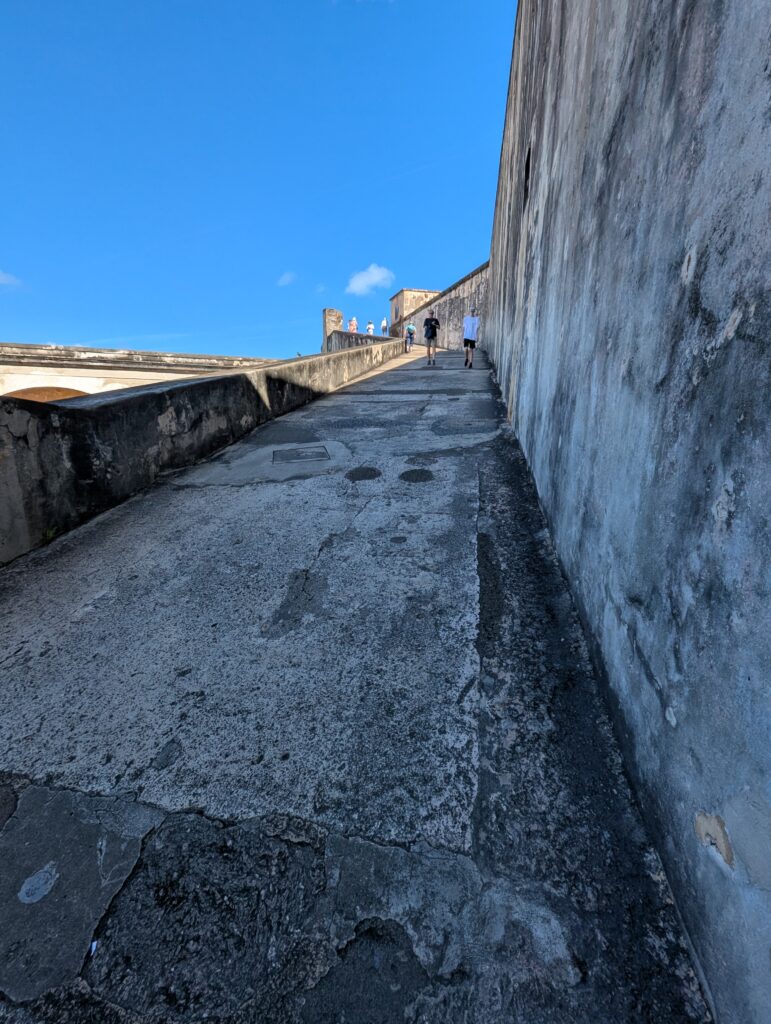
430	326
470	335
409	337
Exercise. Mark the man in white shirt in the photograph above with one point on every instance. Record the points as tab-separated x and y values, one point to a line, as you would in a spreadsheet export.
370	327
384	327
470	335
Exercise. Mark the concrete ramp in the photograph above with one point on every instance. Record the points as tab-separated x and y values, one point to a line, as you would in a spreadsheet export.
309	733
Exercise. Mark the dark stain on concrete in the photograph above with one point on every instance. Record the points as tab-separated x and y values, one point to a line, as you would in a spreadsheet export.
167	755
73	1004
376	978
363	473
216	921
548	741
416	476
454	425
7	804
304	595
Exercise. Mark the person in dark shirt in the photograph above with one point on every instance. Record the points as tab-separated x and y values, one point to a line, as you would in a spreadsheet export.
430	326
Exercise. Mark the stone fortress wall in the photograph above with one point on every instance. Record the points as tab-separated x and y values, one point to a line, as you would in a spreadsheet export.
48	372
450	307
629	319
338	341
408	299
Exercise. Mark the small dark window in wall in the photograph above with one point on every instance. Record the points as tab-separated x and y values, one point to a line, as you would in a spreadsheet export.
527	179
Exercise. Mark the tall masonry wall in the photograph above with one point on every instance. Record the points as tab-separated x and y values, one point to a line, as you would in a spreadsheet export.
629	319
451	306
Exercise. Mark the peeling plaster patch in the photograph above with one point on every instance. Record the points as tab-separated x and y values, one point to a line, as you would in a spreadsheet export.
728	332
38	886
724	509
18	423
749	818
739	626
671	717
167	422
711	830
689	266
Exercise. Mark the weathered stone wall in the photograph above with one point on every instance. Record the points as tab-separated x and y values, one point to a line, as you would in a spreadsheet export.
339	341
64	462
629	319
93	370
451	306
408	299
331	321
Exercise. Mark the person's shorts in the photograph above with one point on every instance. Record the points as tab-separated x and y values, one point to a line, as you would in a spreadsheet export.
468	343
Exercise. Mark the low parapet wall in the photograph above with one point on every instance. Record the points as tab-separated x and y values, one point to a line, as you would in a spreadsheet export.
339	341
62	463
94	370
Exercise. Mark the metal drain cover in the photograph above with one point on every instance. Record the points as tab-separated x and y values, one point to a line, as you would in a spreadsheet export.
307	453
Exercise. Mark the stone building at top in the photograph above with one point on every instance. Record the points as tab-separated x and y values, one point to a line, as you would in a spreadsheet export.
407	300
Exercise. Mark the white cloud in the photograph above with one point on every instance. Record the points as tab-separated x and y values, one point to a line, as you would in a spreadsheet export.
8	280
365	281
320	289
289	277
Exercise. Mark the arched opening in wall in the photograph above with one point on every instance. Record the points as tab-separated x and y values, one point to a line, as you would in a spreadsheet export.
45	394
527	179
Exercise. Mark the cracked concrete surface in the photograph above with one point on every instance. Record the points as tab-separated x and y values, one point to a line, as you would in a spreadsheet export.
340	726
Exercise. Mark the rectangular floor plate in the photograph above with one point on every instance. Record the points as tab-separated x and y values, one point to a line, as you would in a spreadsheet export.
305	453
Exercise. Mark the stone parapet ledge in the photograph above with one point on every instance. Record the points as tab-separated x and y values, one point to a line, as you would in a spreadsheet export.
339	341
62	463
80	357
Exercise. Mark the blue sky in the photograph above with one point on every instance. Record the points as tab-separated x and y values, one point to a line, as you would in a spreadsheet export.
205	175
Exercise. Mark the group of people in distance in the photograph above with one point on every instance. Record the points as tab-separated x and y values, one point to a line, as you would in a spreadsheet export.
353	327
431	328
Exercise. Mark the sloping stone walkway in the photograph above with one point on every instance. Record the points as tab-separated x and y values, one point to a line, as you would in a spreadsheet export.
308	733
